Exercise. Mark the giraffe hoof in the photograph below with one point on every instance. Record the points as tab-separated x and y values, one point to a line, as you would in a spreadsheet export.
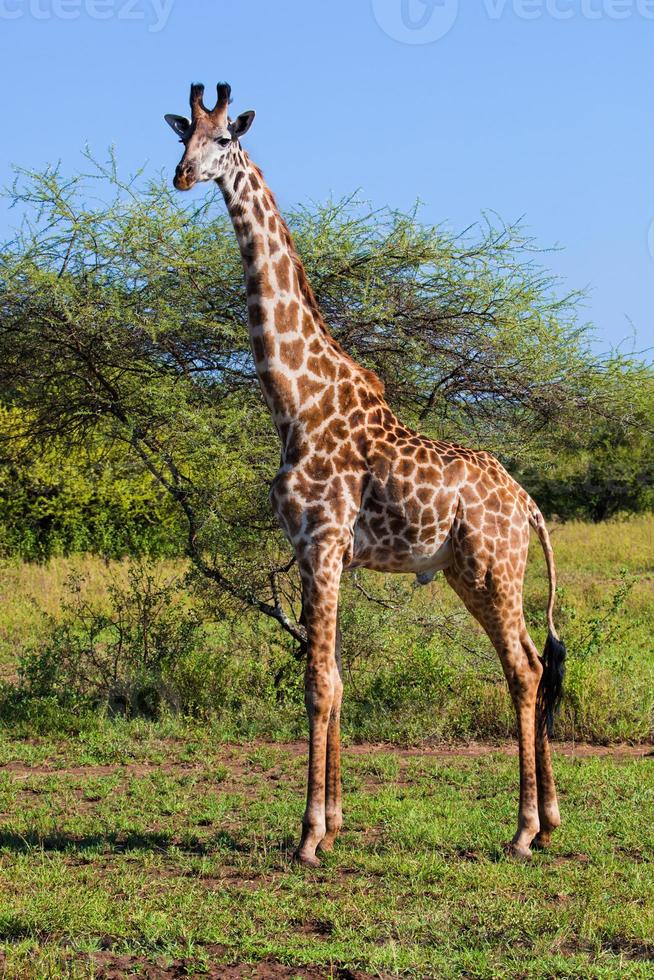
306	860
326	845
542	840
519	852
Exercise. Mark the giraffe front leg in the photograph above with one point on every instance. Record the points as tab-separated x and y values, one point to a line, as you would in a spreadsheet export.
333	794
320	569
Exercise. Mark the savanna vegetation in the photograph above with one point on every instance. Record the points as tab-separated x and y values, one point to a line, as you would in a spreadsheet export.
82	638
132	429
149	635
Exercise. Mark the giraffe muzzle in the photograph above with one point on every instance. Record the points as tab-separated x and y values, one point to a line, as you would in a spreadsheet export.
184	178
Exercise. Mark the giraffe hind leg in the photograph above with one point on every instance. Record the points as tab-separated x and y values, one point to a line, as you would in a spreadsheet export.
500	614
548	806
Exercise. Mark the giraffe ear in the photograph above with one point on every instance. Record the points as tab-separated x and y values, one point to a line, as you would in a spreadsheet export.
241	124
179	124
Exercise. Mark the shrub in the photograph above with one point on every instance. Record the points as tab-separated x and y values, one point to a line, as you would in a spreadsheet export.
121	658
609	688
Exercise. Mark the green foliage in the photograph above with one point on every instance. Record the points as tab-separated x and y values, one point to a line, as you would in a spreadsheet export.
609	684
611	472
124	333
119	658
133	424
59	501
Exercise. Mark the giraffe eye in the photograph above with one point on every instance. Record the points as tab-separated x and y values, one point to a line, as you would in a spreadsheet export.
224	140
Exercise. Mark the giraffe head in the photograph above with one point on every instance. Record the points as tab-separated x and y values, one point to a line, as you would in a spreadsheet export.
209	137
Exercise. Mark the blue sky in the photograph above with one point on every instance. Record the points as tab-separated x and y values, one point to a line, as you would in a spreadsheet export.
541	108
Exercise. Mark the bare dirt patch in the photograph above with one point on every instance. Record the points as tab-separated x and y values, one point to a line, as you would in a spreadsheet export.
235	758
628	948
113	966
24	769
478	749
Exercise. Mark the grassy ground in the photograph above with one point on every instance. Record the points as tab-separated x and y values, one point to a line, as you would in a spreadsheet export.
122	850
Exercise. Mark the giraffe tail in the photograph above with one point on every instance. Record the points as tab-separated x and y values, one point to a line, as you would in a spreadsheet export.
554	654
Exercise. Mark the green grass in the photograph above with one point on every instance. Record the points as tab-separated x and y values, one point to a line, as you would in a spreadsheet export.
128	847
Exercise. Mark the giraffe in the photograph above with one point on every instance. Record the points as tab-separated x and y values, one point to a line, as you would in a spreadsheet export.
357	488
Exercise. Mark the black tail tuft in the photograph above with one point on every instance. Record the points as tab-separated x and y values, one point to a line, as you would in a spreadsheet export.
553	661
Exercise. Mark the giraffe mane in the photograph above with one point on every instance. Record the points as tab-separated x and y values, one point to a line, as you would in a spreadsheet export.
372	380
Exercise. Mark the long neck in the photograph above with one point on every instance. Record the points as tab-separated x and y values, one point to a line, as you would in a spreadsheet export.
296	358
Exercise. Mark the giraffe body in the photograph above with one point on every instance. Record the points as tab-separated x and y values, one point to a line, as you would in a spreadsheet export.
357	488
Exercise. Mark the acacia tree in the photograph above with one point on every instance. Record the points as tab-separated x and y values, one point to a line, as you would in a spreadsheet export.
123	320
